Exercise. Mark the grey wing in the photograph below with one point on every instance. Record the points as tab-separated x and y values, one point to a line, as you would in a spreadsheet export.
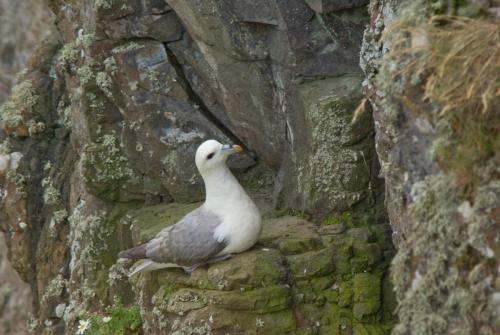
189	242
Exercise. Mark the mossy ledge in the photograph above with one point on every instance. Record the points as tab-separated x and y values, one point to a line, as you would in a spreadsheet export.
300	278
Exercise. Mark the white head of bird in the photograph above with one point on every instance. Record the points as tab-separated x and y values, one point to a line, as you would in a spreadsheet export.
212	156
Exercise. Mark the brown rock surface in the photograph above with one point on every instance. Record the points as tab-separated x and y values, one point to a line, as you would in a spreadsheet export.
107	119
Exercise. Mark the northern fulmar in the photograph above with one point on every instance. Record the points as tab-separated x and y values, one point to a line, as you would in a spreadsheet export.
228	222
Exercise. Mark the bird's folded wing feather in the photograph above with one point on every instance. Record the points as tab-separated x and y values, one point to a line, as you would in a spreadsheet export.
189	242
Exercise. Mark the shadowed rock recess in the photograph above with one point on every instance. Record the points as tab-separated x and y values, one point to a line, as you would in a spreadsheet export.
97	154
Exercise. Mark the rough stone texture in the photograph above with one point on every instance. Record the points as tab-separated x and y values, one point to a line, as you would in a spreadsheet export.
15	299
445	271
299	278
99	136
331	134
325	6
23	25
253	66
107	118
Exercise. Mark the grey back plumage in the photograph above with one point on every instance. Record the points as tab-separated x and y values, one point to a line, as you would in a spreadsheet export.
189	242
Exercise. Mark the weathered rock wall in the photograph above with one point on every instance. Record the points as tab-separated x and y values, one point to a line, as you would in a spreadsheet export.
440	156
104	125
100	132
15	298
24	24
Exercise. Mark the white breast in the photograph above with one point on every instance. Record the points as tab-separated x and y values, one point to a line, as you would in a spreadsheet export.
241	220
241	225
241	228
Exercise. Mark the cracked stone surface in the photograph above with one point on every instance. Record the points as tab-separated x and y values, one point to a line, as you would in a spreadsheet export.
108	116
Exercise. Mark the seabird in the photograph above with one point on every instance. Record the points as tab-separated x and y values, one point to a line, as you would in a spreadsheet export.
228	222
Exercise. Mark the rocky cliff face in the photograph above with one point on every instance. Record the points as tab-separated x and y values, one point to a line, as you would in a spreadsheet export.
438	143
24	25
99	135
99	138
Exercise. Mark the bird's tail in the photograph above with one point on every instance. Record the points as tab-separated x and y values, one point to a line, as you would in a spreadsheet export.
148	265
138	252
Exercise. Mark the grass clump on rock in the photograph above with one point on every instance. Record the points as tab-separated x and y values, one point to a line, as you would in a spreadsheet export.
460	58
446	71
456	63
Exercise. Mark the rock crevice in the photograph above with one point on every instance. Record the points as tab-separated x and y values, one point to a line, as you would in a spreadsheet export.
198	101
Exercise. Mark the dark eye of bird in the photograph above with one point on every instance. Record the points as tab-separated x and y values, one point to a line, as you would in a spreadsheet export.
211	155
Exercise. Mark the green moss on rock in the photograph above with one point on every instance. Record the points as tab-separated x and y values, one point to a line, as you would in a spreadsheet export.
262	291
367	287
366	255
311	264
342	255
255	268
105	83
116	320
345	294
297	245
344	218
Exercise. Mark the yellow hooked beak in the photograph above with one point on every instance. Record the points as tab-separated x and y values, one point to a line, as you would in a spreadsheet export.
229	149
237	148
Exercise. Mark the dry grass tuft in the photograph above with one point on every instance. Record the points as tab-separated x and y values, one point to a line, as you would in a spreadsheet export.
359	110
455	61
460	58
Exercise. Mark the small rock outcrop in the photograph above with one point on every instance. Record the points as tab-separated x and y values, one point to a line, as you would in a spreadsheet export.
299	278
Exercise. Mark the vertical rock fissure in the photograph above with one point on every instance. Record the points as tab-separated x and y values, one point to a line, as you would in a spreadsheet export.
290	282
34	215
196	99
